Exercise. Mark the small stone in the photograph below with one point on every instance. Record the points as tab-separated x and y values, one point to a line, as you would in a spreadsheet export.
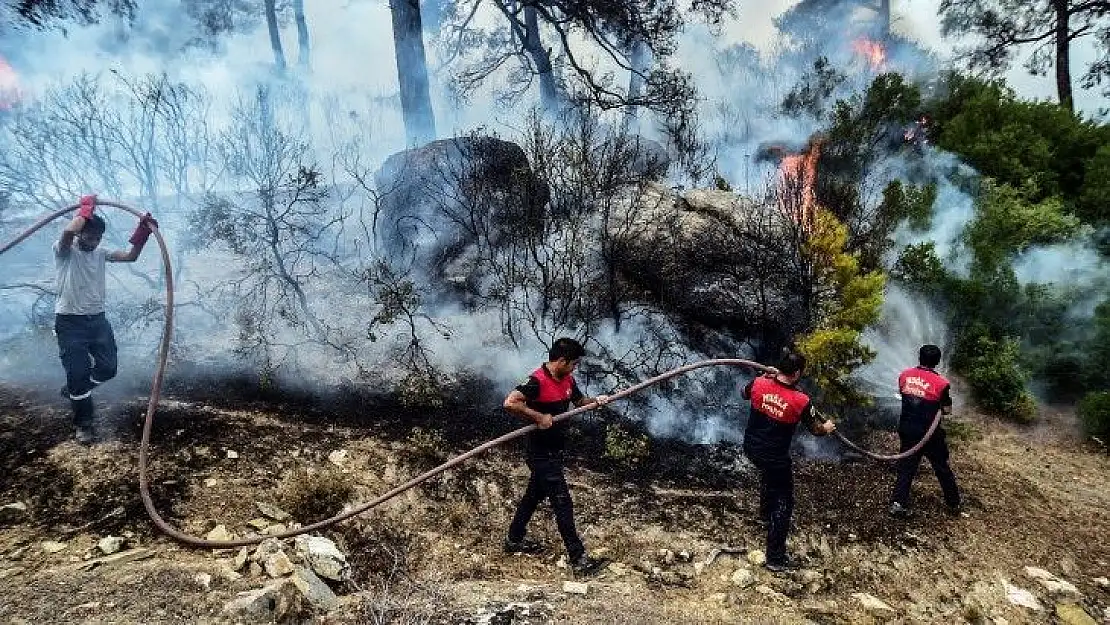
323	557
1059	586
256	570
110	544
232	454
92	605
53	546
272	512
317	593
204	580
211	482
576	588
275	529
259	523
231	576
240	559
808	576
618	569
685	556
338	457
278	565
13	511
219	534
742	578
1036	573
871	602
265	549
1021	597
1072	614
718	597
666	556
756	557
1102	583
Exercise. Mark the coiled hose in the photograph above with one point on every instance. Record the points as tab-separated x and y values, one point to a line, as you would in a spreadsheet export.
160	370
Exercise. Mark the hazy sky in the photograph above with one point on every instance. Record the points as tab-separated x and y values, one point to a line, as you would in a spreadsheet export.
918	19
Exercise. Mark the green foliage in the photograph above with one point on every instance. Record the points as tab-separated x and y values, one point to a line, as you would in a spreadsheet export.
626	447
993	370
1037	147
1094	414
1007	223
908	202
919	267
852	301
1093	205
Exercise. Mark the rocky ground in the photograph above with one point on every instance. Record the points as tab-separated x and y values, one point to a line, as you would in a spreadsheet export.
76	545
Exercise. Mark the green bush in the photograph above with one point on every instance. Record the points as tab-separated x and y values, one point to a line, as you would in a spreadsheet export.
996	378
1094	414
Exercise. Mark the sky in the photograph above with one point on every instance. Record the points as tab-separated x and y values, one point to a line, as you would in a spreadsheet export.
918	19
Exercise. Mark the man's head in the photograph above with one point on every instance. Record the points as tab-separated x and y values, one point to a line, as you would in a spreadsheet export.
563	356
90	235
928	356
792	365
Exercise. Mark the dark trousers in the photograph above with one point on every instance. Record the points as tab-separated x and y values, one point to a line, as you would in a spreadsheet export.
936	450
88	351
776	502
548	482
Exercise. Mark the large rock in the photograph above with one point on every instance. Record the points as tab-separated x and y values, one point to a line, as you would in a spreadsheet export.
437	199
713	257
278	602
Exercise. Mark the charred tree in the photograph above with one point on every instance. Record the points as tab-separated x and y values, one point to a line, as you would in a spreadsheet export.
302	35
275	35
1049	26
412	71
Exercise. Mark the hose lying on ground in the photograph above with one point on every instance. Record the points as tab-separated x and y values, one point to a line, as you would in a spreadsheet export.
160	370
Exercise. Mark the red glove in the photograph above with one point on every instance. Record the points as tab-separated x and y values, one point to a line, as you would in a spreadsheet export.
88	205
142	231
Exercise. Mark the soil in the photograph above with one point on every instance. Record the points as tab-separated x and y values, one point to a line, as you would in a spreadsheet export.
1035	496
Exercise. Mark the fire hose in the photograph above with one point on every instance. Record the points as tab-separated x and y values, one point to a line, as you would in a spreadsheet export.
159	374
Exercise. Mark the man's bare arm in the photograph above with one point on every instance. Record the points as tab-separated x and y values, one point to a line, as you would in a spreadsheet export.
130	256
517	404
70	233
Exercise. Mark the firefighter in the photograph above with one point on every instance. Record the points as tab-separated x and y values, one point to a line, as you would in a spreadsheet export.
924	393
86	344
549	391
777	406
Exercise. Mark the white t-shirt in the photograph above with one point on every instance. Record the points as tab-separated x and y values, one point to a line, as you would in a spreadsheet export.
80	280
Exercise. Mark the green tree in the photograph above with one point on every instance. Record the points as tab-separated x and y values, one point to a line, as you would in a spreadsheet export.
852	300
1001	27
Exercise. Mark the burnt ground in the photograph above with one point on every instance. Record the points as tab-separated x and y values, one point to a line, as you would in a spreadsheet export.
1036	497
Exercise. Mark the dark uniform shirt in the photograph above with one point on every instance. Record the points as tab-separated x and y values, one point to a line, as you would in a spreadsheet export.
547	395
924	392
776	410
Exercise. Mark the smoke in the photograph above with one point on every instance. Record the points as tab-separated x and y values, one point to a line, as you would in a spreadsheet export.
1075	268
347	111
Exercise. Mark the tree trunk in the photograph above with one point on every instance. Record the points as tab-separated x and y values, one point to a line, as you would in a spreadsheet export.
275	35
640	59
884	20
549	90
1063	54
302	34
412	71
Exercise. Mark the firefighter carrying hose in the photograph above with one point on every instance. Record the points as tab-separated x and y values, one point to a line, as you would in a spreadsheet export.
924	392
777	406
86	344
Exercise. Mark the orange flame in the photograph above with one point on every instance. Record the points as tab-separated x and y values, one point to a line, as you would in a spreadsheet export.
798	188
10	93
872	52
